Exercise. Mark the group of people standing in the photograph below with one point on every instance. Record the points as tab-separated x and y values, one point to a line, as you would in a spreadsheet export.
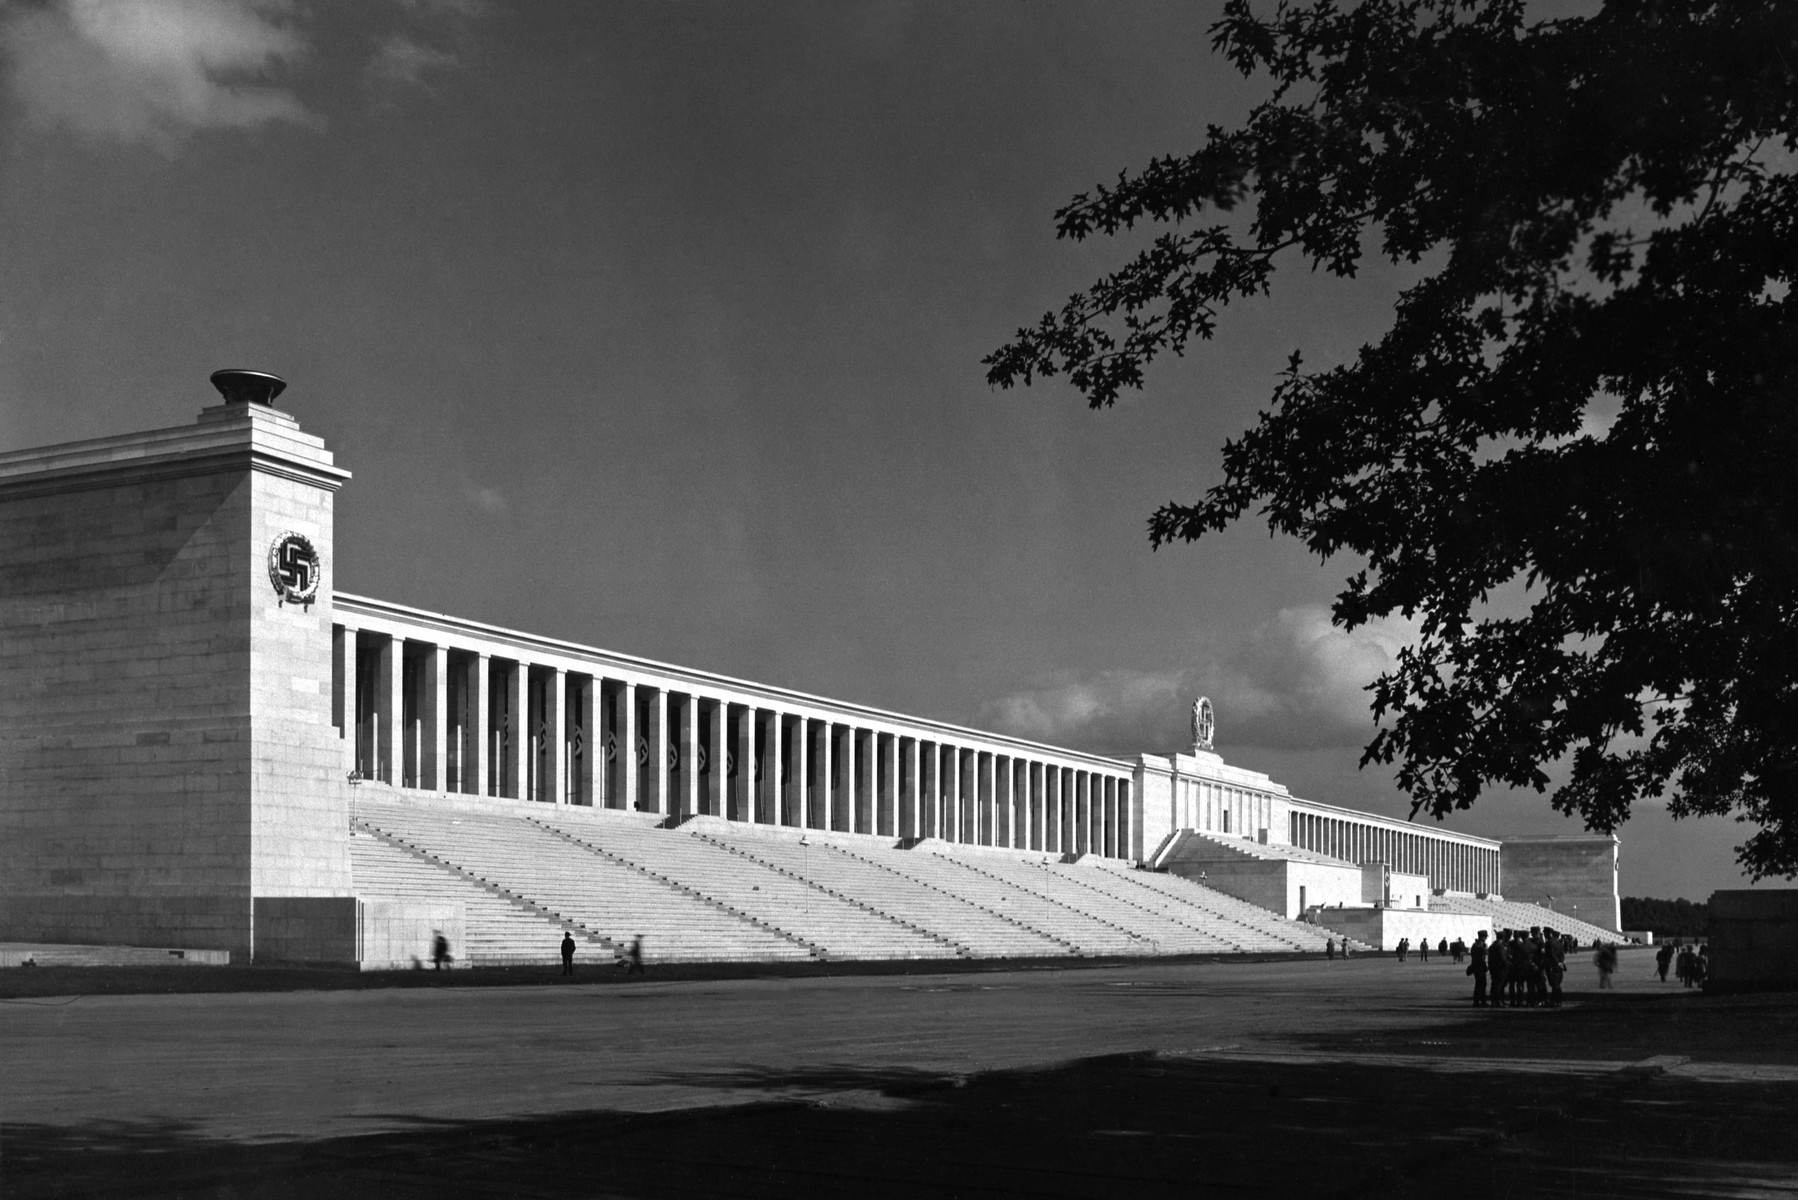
1525	969
1692	964
1423	949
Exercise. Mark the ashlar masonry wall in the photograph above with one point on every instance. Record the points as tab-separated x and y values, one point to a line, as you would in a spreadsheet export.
147	693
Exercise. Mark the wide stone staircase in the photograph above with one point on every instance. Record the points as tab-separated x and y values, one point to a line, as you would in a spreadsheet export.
710	891
1513	914
1078	887
1253	928
832	924
607	896
987	885
499	927
876	877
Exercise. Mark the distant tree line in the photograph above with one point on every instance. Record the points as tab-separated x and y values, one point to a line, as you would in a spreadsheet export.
1666	918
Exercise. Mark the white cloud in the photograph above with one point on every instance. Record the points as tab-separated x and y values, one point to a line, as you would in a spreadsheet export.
487	499
1301	682
152	70
403	61
1297	682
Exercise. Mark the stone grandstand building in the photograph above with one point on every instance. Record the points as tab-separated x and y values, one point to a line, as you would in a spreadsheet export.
205	743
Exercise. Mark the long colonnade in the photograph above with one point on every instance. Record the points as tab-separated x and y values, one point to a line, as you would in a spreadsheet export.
430	702
1452	862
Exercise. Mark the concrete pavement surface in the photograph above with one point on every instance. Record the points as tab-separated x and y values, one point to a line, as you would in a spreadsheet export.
1308	1077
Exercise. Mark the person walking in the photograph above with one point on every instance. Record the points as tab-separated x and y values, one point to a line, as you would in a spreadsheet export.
1663	958
1330	949
440	953
1606	959
567	953
636	967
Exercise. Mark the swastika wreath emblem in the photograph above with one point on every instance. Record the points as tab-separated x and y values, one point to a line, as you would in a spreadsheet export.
294	569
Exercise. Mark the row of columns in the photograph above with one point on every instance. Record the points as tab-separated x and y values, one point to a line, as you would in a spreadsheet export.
1220	808
416	714
1449	864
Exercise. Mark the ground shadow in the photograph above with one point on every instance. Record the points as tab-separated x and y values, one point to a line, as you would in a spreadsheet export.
1598	1025
1127	1125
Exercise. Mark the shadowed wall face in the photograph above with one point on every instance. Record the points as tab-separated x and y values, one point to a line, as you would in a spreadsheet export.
1574	874
125	719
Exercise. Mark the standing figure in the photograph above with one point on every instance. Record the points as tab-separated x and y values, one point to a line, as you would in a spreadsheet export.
1477	969
1554	967
1663	958
1498	961
1330	948
439	949
567	953
636	967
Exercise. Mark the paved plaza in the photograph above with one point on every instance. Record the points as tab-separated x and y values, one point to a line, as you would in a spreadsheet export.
1287	1078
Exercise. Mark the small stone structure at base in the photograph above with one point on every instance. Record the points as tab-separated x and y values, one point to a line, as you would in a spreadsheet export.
1754	941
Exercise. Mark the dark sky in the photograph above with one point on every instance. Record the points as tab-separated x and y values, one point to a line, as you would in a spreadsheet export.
658	326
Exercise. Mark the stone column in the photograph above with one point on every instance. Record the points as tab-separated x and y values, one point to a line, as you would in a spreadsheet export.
1101	814
745	751
628	775
1064	810
1123	819
883	762
951	793
480	769
1083	812
867	783
390	732
911	806
689	756
773	778
848	799
802	773
1033	783
1004	818
1093	792
932	783
826	808
987	822
1114	798
654	785
718	764
586	733
1050	814
555	732
343	696
433	710
792	793
518	691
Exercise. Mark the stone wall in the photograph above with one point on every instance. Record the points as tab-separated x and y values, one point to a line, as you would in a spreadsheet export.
166	752
1754	940
1383	927
125	711
1570	873
300	817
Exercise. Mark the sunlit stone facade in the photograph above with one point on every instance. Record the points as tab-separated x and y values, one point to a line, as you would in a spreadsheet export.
191	705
